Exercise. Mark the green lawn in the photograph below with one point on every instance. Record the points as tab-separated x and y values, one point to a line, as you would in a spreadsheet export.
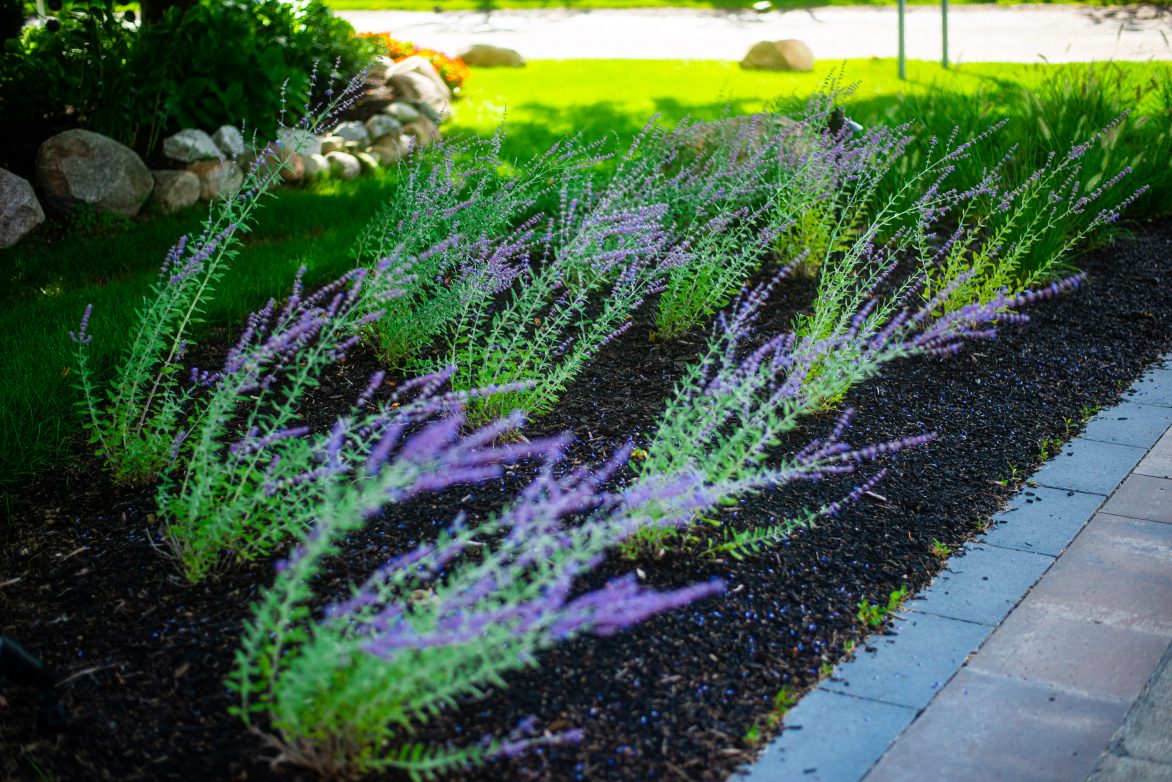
49	279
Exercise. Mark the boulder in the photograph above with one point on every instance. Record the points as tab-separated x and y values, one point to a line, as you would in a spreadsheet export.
787	55
332	144
217	177
293	168
391	149
423	130
416	80
366	162
190	145
383	125
80	166
315	166
343	165
402	112
353	131
229	140
482	55
376	72
20	211
174	190
299	141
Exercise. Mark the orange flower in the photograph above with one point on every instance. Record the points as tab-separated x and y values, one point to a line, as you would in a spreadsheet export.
452	70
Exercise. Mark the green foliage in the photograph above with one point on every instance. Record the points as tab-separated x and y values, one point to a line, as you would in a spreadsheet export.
444	220
232	493
214	63
82	74
873	615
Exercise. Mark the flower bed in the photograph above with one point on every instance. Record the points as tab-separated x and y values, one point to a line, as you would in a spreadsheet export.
739	496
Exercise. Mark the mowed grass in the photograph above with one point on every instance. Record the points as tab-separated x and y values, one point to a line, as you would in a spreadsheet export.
50	278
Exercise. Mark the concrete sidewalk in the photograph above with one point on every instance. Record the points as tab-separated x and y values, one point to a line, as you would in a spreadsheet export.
1031	33
1039	656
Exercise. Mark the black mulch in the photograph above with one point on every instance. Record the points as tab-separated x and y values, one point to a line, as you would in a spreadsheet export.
145	655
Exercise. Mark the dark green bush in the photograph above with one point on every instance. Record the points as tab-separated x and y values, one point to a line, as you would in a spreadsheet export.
215	62
78	75
237	61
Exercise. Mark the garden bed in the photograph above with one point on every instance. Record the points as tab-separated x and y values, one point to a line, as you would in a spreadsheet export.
146	654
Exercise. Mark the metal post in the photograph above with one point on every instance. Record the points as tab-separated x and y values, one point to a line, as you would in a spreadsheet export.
902	57
944	32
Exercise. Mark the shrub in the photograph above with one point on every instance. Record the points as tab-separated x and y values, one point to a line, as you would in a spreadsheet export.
240	61
445	219
79	72
733	406
210	64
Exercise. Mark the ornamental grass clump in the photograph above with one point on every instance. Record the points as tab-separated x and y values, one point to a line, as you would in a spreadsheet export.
343	691
133	422
1015	236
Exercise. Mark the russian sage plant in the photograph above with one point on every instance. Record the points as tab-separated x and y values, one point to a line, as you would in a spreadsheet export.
133	422
344	691
452	203
731	409
560	312
241	428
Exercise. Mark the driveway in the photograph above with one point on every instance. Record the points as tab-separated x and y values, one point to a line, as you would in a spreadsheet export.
1031	33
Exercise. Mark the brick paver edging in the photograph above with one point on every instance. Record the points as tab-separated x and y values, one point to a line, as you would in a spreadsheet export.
994	671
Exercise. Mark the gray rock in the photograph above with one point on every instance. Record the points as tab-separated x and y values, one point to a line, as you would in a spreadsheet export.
189	145
391	149
383	125
20	211
423	130
417	81
299	141
376	72
174	190
482	55
315	166
80	166
217	177
332	144
403	112
344	165
788	55
353	131
229	140
366	162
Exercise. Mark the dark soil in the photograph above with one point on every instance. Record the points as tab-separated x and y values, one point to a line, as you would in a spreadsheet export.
145	655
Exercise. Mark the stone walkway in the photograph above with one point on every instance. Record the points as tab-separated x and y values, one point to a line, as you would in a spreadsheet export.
1042	653
977	33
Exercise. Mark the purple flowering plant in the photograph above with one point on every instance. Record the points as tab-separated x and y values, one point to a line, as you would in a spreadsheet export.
730	410
243	432
450	218
343	690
